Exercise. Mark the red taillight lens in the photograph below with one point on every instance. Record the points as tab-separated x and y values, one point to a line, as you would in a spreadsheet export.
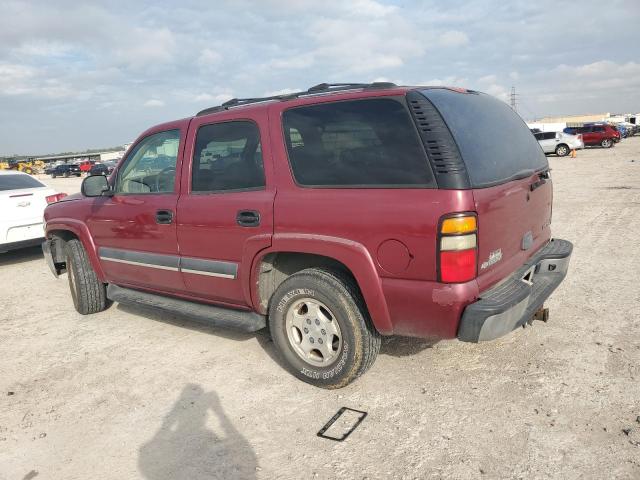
55	198
458	247
458	266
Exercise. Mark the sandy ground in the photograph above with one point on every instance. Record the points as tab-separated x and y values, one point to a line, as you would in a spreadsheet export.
133	394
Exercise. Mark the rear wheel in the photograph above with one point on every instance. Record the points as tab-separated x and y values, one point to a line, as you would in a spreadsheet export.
53	175
606	143
320	325
88	293
66	174
562	150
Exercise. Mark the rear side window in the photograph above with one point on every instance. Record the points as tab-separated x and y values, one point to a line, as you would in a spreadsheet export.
228	156
360	143
494	141
16	182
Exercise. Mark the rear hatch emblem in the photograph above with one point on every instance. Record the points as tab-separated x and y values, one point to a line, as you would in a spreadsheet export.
494	257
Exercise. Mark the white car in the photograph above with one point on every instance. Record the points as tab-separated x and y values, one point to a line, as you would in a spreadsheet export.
22	203
558	142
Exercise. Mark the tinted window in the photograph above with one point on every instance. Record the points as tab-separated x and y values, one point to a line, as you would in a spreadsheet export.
228	156
549	135
494	142
598	129
365	143
151	165
15	182
539	136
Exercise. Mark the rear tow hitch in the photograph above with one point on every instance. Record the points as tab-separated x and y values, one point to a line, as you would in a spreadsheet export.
542	314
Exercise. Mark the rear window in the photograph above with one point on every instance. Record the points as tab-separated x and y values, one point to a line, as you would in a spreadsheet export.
494	141
16	182
359	143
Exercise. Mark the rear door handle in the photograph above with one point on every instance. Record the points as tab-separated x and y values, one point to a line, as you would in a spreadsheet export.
248	218
164	217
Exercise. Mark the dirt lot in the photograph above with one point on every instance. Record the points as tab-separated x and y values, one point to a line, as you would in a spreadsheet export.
133	394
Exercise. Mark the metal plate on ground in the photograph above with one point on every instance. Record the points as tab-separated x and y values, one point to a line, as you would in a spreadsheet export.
342	424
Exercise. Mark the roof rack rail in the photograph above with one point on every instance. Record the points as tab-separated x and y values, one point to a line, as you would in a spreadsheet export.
319	88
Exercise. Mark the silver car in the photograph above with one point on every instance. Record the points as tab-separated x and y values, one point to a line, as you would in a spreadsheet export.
559	143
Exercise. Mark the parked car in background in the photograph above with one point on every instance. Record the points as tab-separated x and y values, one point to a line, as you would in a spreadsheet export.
389	219
102	168
66	170
559	143
22	203
593	135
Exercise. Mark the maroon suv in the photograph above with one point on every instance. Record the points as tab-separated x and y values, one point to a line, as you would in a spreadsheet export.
331	216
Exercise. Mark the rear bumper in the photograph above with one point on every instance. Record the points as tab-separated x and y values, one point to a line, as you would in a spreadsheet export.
514	301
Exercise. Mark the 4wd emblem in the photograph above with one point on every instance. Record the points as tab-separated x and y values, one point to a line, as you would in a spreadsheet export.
24	203
494	257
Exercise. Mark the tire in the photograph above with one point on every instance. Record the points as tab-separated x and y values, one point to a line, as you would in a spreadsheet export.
53	175
562	150
606	143
316	298
88	293
66	175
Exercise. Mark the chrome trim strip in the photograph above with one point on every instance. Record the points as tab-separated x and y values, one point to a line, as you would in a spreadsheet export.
141	264
209	274
174	263
215	268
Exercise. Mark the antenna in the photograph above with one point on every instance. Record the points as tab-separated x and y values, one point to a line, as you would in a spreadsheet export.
513	99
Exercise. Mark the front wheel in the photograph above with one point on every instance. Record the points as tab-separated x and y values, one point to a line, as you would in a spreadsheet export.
88	293
562	150
321	328
606	143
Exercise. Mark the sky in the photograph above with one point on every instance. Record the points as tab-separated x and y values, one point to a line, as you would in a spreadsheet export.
79	75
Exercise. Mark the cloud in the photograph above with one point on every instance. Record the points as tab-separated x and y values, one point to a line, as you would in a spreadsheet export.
209	57
488	79
212	98
154	103
70	66
453	38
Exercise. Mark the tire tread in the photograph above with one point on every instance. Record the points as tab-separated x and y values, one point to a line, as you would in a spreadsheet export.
90	292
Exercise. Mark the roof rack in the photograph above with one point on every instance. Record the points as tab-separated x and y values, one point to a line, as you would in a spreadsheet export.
321	88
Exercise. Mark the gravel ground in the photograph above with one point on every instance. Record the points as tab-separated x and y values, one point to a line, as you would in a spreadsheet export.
129	393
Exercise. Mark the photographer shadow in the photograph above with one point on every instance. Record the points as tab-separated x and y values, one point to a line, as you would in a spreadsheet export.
185	448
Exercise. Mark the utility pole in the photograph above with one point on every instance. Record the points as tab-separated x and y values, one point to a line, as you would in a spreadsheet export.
513	99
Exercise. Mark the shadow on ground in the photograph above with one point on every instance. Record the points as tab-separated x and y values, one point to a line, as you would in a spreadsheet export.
19	256
185	448
405	346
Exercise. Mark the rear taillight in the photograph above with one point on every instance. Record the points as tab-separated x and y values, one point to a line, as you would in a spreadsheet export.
55	197
458	248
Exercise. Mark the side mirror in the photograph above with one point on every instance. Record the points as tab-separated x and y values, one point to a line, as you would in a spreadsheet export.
95	186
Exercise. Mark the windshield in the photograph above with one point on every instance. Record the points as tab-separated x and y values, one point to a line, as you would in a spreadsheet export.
495	143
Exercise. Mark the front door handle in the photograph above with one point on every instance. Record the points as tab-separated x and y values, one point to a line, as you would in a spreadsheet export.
164	217
248	218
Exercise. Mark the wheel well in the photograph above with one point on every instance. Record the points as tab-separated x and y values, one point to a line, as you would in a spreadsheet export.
59	239
275	268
